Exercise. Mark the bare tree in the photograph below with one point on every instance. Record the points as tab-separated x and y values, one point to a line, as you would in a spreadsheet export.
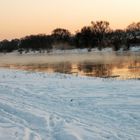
100	28
60	34
133	30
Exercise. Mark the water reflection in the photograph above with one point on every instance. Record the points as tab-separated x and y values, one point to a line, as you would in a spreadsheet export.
124	65
96	70
121	70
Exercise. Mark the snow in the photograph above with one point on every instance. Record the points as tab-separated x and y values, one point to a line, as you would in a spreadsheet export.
41	106
135	49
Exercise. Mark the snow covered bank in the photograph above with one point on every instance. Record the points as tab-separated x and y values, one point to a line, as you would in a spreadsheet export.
135	49
38	106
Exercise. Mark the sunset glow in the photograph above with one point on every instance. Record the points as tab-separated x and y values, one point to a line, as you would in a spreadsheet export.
25	17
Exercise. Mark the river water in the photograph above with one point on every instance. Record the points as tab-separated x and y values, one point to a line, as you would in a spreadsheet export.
124	65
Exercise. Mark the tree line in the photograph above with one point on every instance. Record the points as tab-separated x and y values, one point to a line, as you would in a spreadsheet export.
97	35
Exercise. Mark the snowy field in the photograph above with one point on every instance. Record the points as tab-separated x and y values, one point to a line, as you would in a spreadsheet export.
39	106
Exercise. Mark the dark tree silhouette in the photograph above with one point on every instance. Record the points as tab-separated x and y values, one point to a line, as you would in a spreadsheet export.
85	38
99	35
118	39
36	43
100	29
4	46
61	35
133	33
9	46
133	30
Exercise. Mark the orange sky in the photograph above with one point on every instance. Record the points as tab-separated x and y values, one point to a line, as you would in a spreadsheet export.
24	17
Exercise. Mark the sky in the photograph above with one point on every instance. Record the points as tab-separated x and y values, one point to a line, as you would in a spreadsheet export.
19	18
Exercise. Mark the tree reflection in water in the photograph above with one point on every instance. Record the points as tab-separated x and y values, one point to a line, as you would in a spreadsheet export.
122	70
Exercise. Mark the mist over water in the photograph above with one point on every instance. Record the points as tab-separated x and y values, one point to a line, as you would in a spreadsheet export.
41	58
96	64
